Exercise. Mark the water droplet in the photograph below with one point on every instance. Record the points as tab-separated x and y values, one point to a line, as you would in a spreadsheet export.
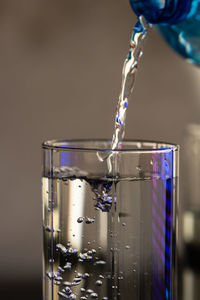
94	251
89	220
80	219
82	290
83	298
123	224
105	298
151	162
98	282
94	295
128	247
101	276
57	282
67	266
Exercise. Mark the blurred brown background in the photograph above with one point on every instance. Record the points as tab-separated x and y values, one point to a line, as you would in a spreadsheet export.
60	76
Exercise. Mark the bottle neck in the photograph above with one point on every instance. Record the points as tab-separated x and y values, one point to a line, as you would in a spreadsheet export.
161	11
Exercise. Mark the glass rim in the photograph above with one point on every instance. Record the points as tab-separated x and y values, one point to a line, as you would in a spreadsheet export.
68	145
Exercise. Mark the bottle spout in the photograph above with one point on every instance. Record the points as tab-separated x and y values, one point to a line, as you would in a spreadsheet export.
161	11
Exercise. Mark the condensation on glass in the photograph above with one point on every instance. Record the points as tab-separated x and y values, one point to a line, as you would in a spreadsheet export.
109	235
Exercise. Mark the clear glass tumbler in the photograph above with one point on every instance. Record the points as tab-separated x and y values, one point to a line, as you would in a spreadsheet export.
109	220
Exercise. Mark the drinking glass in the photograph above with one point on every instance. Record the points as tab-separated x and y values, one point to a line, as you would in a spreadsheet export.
109	220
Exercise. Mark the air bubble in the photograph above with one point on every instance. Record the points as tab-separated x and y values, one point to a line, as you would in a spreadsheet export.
67	283
47	228
124	224
100	262
67	266
128	247
83	298
68	291
57	282
98	282
139	168
51	275
94	295
89	291
61	248
72	251
77	281
86	275
89	220
80	219
82	290
101	276
58	278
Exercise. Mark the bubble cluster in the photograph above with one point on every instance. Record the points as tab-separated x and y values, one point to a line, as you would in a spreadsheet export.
65	173
66	251
103	194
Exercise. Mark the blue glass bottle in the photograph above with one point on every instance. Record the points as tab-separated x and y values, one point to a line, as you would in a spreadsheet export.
177	20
